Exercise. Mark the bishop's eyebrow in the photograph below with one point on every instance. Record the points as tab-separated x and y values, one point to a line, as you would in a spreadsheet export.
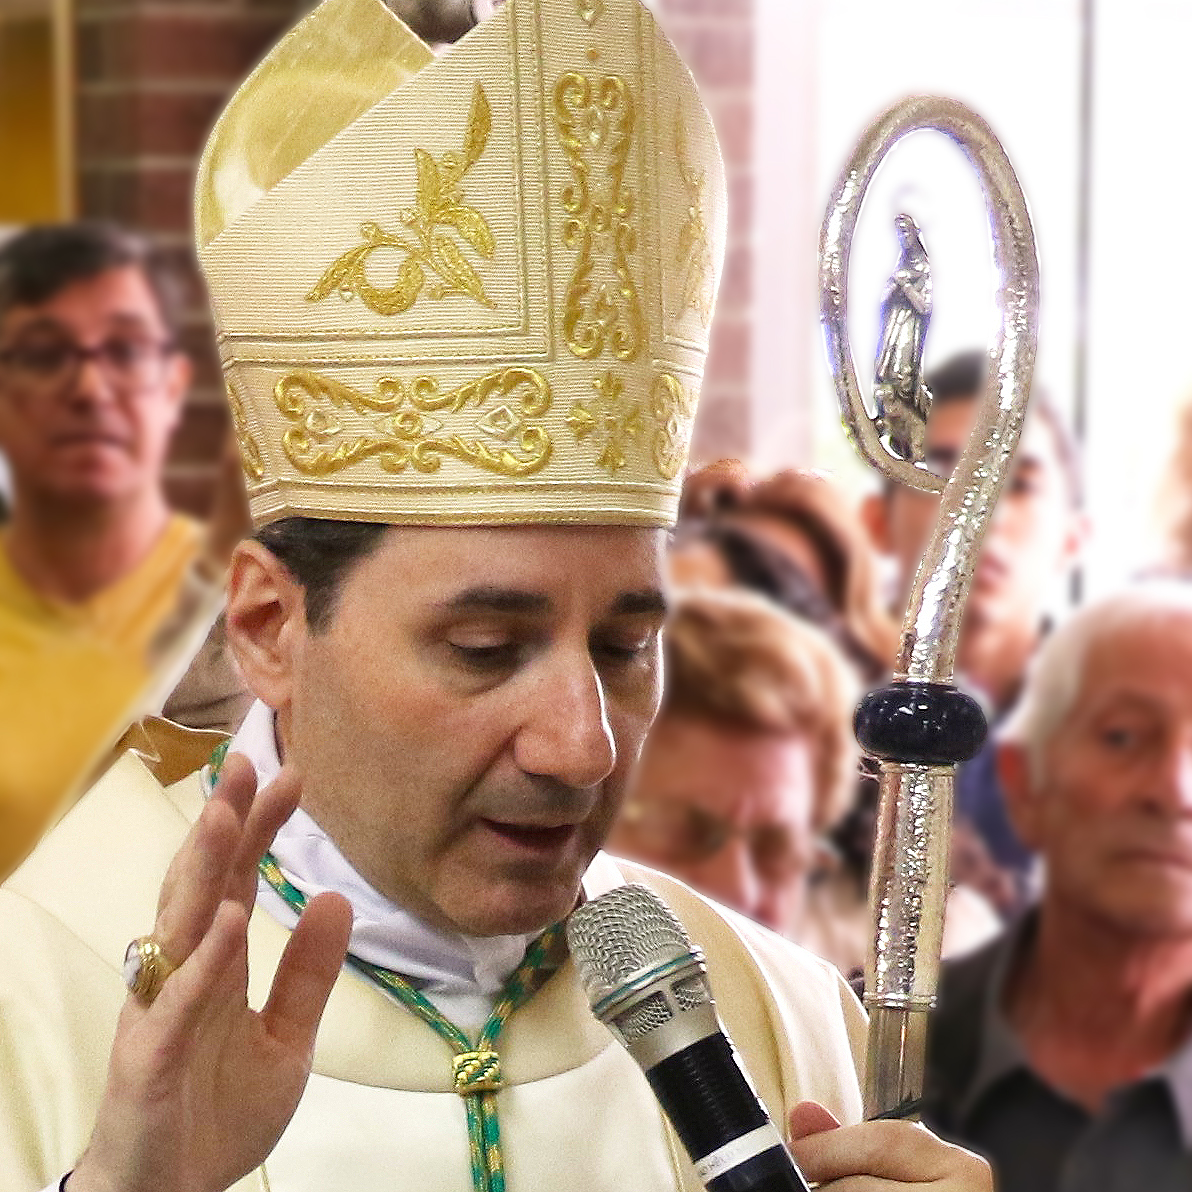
487	599
648	601
496	600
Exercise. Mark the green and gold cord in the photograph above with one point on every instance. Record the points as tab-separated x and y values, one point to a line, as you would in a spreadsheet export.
476	1070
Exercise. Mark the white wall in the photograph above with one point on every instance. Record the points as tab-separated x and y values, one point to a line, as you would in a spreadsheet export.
1140	359
827	67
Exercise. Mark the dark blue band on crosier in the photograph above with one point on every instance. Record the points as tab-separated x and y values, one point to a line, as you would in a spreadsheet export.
931	724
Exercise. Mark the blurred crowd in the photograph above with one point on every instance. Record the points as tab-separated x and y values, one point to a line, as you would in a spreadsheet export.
1061	1039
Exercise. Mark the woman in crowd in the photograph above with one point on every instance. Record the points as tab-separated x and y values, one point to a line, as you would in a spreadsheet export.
750	762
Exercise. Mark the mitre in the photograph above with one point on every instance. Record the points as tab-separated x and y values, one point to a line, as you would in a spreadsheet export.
472	289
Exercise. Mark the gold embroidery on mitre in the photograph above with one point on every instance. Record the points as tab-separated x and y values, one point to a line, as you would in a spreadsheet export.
396	426
595	118
673	408
438	208
615	423
250	450
612	421
694	252
586	215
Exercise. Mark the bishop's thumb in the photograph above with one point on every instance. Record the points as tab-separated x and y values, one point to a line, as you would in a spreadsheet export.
809	1117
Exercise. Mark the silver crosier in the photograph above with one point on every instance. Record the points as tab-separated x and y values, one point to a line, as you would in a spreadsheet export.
910	866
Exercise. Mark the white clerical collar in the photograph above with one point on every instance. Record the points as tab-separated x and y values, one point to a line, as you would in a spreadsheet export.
461	975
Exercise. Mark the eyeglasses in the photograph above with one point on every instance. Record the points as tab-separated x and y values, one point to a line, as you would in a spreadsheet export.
131	364
682	832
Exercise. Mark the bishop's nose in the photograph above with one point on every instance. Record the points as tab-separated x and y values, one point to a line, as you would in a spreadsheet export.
565	732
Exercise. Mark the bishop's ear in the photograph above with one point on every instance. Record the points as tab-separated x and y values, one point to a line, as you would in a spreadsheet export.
266	621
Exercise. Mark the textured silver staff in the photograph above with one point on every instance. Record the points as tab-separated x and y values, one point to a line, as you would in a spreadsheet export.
921	726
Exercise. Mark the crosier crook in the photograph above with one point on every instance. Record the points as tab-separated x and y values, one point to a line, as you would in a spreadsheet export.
921	727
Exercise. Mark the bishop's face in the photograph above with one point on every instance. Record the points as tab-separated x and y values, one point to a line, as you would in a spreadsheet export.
466	723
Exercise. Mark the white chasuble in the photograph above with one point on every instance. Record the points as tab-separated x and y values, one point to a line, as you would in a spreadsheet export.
379	1113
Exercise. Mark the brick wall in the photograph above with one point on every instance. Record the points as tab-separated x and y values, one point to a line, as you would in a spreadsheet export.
152	76
715	38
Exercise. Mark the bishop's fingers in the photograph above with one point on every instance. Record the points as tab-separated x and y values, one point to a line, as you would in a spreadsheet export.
198	875
309	966
270	809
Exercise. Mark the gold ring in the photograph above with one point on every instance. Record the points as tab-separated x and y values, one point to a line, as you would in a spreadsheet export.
146	968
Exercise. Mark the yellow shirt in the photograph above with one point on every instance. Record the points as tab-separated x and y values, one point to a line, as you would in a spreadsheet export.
70	677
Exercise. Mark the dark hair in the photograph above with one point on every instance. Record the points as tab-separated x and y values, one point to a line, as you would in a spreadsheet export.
763	568
320	554
962	378
959	378
725	490
41	261
725	493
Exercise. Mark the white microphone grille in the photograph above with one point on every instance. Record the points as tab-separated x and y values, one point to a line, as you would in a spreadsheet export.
621	933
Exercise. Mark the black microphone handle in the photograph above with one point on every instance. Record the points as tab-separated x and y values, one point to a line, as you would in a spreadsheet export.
710	1102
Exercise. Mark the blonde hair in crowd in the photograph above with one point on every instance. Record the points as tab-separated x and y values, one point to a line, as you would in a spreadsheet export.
739	662
1055	676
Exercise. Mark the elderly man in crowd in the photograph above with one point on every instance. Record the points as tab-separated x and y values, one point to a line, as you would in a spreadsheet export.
1064	1051
1032	541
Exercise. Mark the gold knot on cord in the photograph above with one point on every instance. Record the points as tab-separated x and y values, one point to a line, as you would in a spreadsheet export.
476	1072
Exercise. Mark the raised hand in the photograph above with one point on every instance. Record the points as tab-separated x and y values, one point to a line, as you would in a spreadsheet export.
876	1156
200	1087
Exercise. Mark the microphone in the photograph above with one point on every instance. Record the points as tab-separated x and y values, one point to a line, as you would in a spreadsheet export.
648	984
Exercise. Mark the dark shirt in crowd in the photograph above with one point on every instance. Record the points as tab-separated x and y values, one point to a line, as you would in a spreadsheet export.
982	1093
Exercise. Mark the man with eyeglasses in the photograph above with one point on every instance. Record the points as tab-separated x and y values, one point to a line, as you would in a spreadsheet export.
93	563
